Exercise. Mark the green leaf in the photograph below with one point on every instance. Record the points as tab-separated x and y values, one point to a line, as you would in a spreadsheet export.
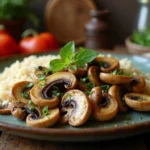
67	52
45	111
84	56
57	65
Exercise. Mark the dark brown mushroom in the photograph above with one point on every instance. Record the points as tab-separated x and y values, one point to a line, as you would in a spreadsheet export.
107	64
42	95
20	91
76	108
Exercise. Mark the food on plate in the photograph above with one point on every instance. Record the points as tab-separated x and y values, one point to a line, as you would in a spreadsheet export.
72	88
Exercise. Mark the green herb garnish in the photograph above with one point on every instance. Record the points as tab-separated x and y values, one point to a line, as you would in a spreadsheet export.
30	102
141	38
24	95
105	88
121	72
90	85
69	57
32	108
42	83
41	77
47	71
30	85
45	111
73	67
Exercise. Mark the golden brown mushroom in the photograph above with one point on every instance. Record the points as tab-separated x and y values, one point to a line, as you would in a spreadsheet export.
42	95
93	74
45	121
117	92
104	107
5	107
139	102
115	79
138	84
76	107
107	64
21	90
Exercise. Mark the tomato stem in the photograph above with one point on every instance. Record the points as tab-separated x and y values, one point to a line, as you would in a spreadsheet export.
29	32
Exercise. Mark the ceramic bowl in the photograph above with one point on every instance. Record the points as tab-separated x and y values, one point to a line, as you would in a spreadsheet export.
135	48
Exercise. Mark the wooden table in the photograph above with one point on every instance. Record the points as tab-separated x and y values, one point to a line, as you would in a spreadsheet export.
12	142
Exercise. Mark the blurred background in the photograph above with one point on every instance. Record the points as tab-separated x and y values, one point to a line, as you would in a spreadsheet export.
97	24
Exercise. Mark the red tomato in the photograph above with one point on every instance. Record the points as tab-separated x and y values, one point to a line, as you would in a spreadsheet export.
8	44
38	43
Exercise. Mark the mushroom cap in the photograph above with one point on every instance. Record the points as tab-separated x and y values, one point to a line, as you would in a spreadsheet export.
108	63
45	121
5	109
115	91
18	89
115	79
138	84
138	101
18	113
78	106
93	74
105	107
39	94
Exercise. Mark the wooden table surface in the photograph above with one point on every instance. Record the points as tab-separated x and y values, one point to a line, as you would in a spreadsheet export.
12	142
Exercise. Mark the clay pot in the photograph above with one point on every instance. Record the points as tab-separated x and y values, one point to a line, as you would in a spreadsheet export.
134	48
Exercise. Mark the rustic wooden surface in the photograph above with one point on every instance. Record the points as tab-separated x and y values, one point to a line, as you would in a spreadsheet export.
12	142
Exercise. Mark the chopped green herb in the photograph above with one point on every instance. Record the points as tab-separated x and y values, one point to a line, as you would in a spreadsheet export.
45	111
30	85
30	102
105	88
41	77
90	85
126	122
24	95
121	72
140	118
32	108
69	96
47	71
83	80
88	92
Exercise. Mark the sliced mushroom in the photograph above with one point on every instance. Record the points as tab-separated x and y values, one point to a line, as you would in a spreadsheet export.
41	71
45	121
41	95
107	64
20	111
5	107
115	79
117	92
138	84
79	72
77	107
20	91
139	102
93	74
104	107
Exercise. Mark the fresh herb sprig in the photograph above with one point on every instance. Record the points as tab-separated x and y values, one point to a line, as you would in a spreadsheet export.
70	58
121	72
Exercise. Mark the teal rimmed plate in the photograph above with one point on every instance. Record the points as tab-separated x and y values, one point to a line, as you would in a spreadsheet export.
124	125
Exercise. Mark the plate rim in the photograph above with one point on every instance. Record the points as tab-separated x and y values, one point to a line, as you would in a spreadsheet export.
141	127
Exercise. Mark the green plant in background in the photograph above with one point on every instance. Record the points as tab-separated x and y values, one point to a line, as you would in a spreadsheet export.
141	38
17	9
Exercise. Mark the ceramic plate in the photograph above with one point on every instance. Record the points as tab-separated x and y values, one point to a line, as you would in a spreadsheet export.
124	125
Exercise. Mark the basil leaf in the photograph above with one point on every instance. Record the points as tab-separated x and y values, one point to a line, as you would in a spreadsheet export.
84	56
57	65
67	52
